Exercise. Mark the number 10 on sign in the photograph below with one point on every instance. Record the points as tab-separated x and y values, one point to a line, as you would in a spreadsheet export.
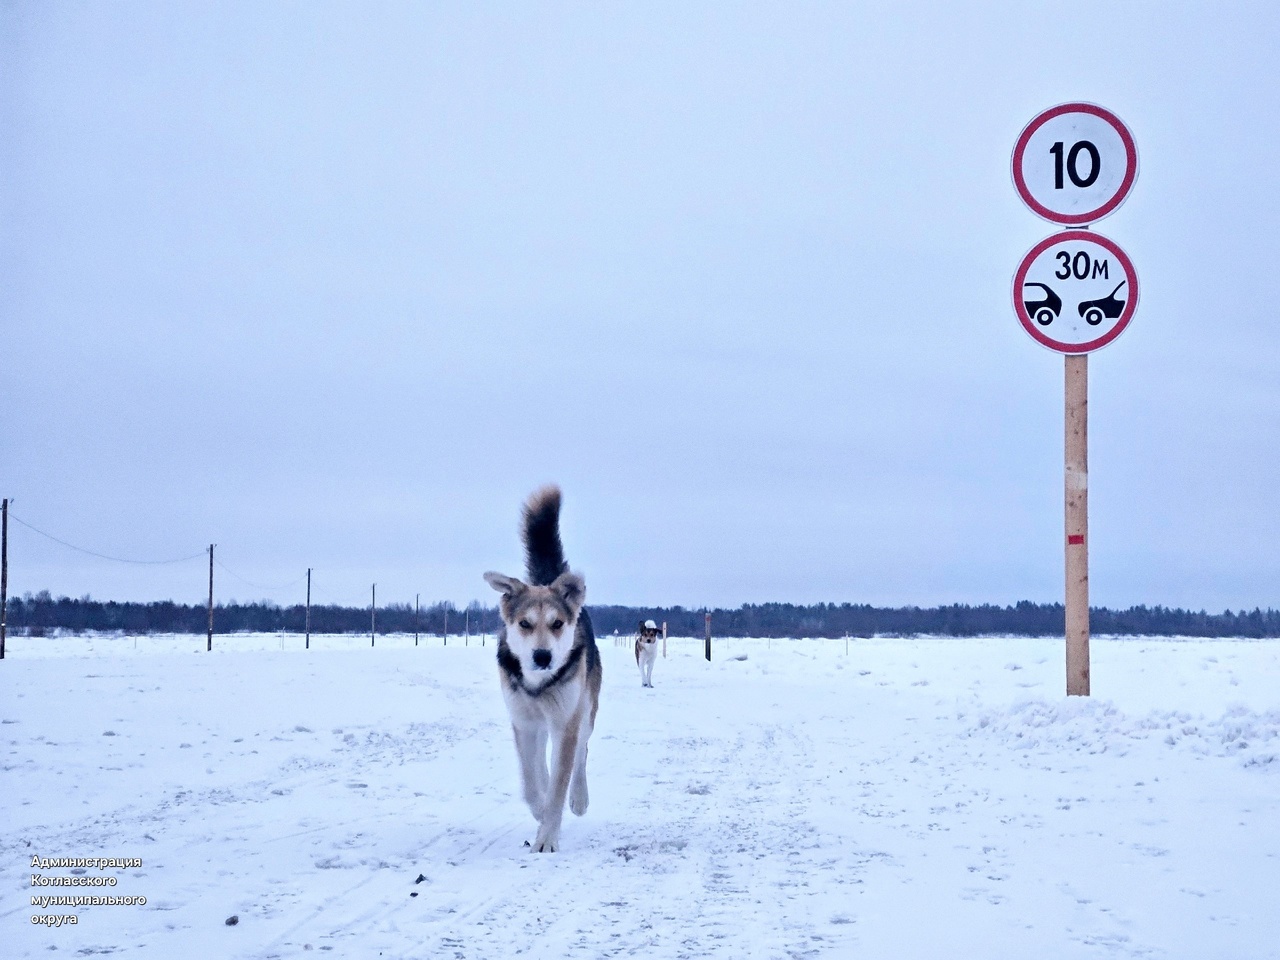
1074	164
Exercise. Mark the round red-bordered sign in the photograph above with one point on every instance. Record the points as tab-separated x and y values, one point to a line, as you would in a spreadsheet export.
1074	164
1075	292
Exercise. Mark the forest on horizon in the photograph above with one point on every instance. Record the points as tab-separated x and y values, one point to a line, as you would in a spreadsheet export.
41	614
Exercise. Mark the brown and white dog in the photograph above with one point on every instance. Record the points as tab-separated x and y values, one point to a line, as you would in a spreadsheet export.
549	668
646	651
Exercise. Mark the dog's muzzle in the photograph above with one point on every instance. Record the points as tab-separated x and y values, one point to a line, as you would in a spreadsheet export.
542	659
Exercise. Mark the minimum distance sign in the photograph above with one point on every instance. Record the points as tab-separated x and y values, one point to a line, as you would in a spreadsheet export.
1074	163
1075	292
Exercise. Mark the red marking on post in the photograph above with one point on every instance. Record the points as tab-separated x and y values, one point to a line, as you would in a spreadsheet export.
1075	538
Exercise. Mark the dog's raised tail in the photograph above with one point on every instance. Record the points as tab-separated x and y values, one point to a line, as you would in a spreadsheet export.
544	553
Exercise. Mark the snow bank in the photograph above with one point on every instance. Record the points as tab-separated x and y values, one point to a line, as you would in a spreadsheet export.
1096	726
915	798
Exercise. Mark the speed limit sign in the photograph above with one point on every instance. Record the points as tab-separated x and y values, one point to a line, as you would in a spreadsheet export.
1074	163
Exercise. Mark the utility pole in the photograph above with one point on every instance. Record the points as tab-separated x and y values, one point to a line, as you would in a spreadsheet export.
308	608
416	597
4	574
209	643
373	615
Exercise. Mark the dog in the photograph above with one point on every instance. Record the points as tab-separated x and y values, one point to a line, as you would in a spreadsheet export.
646	651
549	669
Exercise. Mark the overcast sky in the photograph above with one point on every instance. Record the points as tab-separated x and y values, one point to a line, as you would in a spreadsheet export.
336	285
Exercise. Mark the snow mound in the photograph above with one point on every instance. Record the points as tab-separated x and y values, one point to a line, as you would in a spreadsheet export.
1098	726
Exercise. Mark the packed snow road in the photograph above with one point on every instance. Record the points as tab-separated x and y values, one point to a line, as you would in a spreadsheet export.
909	798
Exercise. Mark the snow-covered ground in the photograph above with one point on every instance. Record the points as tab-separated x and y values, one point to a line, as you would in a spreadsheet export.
927	798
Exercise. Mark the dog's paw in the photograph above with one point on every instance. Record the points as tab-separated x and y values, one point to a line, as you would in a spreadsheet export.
545	844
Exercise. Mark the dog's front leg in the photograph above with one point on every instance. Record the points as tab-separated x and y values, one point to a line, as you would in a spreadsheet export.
564	751
531	749
578	796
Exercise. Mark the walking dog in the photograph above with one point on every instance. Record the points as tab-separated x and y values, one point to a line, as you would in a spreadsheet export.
549	669
646	651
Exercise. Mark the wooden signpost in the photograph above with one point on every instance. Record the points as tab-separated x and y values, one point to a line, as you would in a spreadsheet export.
308	621
1075	292
4	571
209	641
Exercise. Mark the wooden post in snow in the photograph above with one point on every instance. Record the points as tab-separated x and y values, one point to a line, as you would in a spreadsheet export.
4	574
308	608
664	639
708	638
1077	523
209	641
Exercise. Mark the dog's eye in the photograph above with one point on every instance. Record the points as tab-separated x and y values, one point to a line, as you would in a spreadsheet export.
526	625
557	624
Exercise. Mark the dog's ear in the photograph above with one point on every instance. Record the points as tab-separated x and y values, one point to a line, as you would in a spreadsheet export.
507	586
572	589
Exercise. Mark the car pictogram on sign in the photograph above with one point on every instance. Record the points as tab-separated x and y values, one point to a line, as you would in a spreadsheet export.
1075	292
1044	311
1094	310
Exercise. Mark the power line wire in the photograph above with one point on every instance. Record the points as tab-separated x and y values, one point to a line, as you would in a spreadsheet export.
103	556
336	602
258	586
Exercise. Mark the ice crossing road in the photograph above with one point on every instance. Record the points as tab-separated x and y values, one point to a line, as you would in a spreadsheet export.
913	798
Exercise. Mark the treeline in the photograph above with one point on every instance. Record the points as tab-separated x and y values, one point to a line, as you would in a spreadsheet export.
40	613
957	620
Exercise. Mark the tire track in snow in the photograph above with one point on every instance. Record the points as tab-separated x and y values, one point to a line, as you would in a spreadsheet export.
705	883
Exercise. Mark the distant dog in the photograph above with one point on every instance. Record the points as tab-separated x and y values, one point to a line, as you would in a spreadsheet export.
646	651
549	668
